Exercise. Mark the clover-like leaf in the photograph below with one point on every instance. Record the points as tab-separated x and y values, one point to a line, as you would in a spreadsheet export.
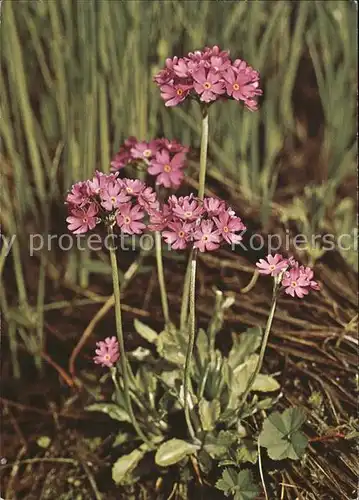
217	446
145	331
173	451
281	436
112	410
240	485
209	412
247	452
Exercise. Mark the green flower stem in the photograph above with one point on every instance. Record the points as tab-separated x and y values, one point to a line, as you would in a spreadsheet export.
201	186
263	347
161	277
203	156
119	331
190	346
185	294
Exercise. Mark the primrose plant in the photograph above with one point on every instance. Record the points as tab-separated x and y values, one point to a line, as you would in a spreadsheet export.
183	377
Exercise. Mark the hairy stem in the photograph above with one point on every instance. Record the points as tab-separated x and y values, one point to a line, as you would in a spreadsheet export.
204	149
263	349
185	294
201	186
161	277
119	331
190	346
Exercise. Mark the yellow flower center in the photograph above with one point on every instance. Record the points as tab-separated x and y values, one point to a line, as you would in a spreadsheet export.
147	153
204	237
272	267
207	85
129	190
294	284
181	234
179	91
113	200
85	220
235	86
167	168
188	214
225	229
107	357
127	220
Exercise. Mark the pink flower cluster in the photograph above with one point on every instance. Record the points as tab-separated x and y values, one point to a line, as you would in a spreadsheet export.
296	280
107	352
106	197
208	75
187	220
163	158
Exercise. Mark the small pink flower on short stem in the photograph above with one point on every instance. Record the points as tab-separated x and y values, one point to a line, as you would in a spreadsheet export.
206	237
274	265
228	225
187	208
174	94
214	206
82	220
129	219
144	151
79	194
107	352
208	85
295	283
178	234
113	195
169	171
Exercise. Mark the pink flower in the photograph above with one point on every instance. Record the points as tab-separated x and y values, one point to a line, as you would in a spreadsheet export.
172	146
174	94
113	195
187	208
228	225
160	218
206	237
107	352
308	273
133	187
210	74
220	64
214	206
208	85
166	74
128	219
82	220
79	194
178	234
295	283
169	171
242	83
98	185
274	265
144	151
147	199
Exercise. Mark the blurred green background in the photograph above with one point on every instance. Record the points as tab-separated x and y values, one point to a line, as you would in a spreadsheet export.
76	80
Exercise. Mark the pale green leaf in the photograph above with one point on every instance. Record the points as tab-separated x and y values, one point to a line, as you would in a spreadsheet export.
123	466
209	412
145	331
265	383
43	441
244	345
111	409
173	451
